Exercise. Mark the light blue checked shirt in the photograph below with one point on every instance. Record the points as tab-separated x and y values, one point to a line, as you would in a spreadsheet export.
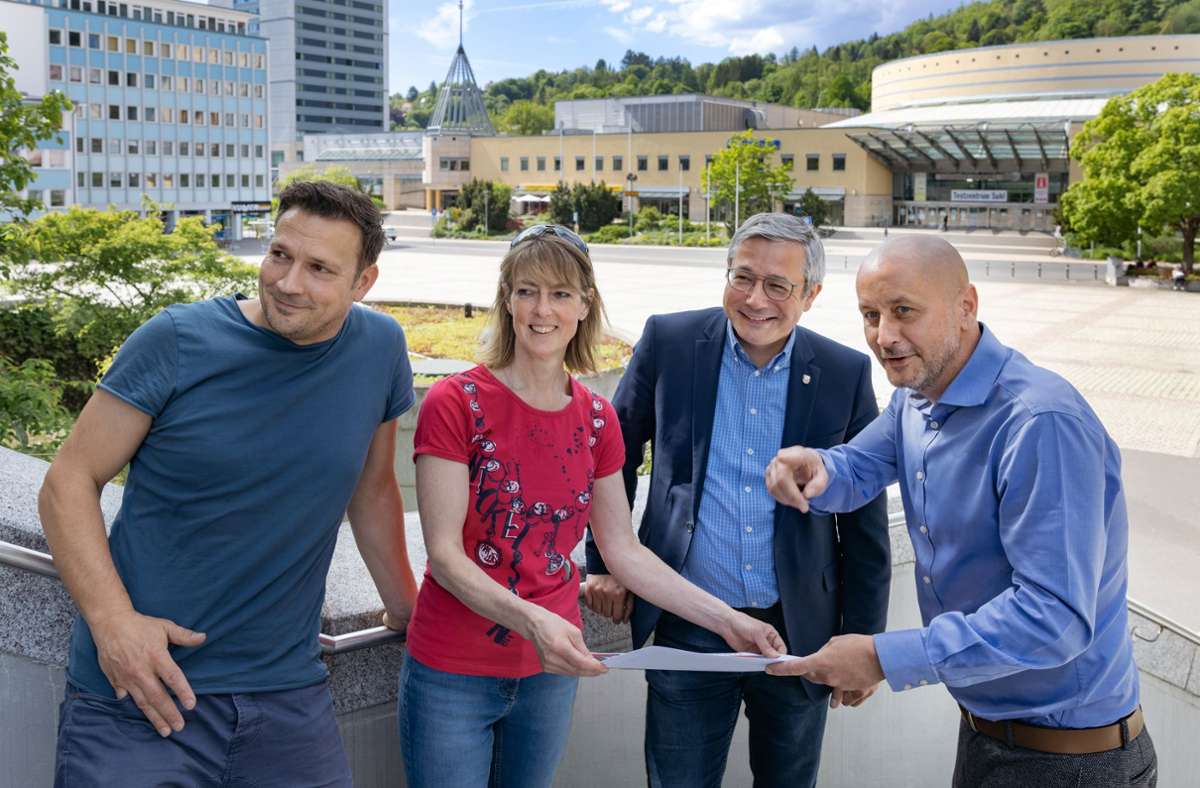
732	553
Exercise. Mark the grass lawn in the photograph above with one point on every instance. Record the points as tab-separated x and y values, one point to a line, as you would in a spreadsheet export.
443	332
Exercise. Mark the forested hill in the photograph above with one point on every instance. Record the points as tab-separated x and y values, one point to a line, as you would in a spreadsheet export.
839	76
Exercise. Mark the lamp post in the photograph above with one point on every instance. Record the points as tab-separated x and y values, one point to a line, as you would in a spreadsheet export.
681	206
707	199
629	179
737	195
487	188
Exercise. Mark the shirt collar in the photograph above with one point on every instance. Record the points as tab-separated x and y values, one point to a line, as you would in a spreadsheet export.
974	381
782	360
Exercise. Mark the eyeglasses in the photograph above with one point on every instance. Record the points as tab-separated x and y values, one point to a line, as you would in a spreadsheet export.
538	230
776	288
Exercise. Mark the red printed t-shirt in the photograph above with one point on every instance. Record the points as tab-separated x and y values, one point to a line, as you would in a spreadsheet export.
531	474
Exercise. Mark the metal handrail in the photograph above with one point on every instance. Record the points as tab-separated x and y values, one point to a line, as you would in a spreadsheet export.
40	563
43	564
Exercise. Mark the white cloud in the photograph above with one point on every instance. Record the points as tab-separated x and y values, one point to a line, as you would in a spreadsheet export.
639	14
623	36
658	24
441	29
617	6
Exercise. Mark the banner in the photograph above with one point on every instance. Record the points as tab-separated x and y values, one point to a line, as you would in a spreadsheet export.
920	192
978	195
1041	188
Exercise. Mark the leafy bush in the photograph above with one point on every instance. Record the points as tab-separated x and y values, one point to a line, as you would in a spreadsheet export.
36	331
611	234
32	418
472	198
648	218
596	203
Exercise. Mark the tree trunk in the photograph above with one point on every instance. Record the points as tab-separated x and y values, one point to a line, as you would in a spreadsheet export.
1189	244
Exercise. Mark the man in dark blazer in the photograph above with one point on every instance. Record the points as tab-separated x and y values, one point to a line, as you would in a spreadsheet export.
717	392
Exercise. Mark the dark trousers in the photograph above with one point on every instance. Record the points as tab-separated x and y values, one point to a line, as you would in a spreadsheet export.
286	739
690	717
984	762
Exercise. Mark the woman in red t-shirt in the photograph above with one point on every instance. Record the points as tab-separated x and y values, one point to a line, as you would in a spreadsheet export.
514	459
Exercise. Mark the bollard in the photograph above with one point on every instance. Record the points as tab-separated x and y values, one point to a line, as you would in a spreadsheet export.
1013	269
1068	270
468	311
1039	270
987	268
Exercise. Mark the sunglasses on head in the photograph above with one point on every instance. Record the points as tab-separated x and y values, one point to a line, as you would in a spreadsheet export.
538	230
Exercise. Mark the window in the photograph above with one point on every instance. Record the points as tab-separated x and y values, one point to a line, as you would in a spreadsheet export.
259	181
56	37
580	163
245	120
96	111
114	77
80	180
131	46
685	163
503	164
131	79
185	149
245	151
133	146
664	162
839	162
524	164
197	118
184	180
97	180
114	112
95	76
197	54
228	180
168	115
36	196
93	42
228	88
229	119
214	118
134	180
149	115
259	61
557	164
115	146
58	198
114	44
79	144
258	151
168	180
151	180
229	150
199	85
244	89
115	180
228	58
55	158
214	150
166	82
185	85
541	163
214	56
258	91
56	72
148	48
643	164
164	50
245	181
598	163
244	60
789	161
182	52
131	113
812	162
75	73
168	148
74	39
151	147
97	145
618	163
258	121
148	81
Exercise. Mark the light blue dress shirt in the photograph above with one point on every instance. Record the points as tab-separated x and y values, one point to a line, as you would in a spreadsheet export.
1012	491
732	550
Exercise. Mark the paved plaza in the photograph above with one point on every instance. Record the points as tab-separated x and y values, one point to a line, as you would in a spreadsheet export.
1135	355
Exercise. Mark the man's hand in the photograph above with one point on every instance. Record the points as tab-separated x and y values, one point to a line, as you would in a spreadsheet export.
397	622
604	595
745	633
848	663
132	652
560	647
795	475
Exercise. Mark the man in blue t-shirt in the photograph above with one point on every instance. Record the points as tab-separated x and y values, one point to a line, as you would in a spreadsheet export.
250	426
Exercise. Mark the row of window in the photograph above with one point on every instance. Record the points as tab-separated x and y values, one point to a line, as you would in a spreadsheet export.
119	180
171	115
166	82
58	197
45	158
812	163
311	11
318	43
150	48
116	147
156	15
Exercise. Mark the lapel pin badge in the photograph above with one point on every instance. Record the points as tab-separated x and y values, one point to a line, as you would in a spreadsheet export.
806	378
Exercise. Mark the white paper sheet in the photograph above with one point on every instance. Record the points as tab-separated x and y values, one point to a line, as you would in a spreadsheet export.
663	658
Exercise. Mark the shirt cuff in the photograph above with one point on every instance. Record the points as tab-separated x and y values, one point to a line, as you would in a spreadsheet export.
903	659
831	470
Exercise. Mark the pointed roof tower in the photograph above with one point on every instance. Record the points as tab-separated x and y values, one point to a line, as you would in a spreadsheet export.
460	105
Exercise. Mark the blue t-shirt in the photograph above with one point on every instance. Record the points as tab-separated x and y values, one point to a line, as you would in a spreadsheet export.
233	502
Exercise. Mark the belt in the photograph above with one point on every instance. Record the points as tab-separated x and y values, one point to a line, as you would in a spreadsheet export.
1063	741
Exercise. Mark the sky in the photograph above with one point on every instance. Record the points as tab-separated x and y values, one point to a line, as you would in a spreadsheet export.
514	38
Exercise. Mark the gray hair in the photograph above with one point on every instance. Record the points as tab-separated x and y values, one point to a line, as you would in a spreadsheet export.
784	227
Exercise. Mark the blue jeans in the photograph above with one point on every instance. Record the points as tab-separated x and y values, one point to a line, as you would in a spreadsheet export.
690	717
287	739
461	731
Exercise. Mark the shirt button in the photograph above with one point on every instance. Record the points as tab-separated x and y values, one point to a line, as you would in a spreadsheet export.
754	411
926	580
749	451
776	369
746	488
907	686
933	425
757	373
924	683
920	476
924	529
749	529
748	567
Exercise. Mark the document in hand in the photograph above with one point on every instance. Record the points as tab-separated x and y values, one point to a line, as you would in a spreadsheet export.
663	658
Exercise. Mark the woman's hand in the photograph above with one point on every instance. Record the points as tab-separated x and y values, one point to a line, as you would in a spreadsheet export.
745	633
560	646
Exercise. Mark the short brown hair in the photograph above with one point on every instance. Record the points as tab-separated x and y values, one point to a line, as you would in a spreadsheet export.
550	259
332	201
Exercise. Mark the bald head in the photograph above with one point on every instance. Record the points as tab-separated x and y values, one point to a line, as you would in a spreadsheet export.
919	311
927	258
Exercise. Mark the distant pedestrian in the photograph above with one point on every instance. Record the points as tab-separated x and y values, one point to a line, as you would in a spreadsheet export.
1178	278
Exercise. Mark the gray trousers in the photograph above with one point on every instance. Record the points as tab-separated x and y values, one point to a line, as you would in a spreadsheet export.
984	762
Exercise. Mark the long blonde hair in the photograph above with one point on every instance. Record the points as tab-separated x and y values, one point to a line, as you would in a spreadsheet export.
552	260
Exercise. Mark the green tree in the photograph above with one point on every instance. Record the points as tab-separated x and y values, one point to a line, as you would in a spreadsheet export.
23	123
1142	152
32	418
1183	19
525	118
107	272
745	178
496	202
595	203
812	206
334	173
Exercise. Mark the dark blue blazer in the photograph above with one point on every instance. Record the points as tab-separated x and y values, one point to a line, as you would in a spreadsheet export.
834	571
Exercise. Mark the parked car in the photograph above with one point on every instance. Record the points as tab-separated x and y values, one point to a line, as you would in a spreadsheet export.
389	232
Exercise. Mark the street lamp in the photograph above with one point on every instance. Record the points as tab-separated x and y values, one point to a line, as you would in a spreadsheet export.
630	178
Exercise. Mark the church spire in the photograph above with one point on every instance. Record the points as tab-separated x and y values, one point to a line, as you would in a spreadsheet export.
460	106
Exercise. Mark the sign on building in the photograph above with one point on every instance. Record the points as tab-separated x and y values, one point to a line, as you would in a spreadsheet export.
978	195
920	191
1041	188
